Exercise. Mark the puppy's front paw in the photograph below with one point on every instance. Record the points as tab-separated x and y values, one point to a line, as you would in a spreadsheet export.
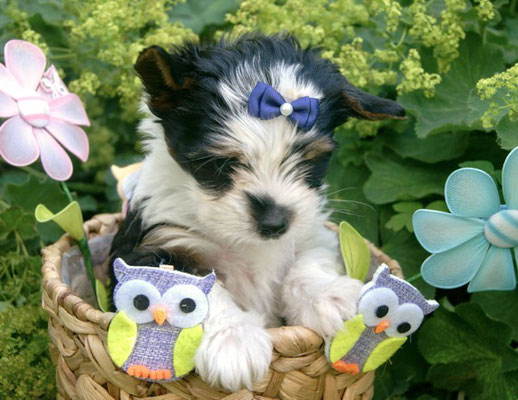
234	357
335	304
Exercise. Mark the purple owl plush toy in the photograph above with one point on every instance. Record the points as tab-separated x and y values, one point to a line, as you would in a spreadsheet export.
389	310
158	325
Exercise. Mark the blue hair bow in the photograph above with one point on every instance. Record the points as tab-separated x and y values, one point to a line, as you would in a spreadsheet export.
475	242
266	103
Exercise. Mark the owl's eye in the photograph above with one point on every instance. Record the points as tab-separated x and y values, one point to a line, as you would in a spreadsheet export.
134	298
405	320
188	305
376	305
381	311
141	302
404	327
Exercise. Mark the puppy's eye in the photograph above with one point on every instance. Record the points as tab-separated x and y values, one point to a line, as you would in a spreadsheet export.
214	172
315	170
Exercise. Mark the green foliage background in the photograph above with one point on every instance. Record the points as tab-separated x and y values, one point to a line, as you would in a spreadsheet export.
451	63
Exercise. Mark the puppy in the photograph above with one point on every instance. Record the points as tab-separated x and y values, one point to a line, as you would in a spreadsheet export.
229	184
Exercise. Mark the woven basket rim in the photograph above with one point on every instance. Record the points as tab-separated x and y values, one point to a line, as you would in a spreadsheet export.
78	331
65	297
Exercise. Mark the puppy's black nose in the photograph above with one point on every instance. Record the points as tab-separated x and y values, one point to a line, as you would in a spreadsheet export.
273	220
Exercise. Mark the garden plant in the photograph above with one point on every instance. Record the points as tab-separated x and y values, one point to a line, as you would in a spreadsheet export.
453	64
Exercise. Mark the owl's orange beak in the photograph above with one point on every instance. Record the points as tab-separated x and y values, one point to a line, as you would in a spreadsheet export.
160	313
381	326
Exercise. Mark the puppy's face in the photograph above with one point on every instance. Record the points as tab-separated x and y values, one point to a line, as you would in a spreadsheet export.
256	179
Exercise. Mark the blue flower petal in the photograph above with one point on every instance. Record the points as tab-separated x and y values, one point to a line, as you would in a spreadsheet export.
439	231
495	273
455	267
510	179
471	193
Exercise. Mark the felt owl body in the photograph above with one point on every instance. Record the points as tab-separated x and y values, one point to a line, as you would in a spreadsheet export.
389	310
158	325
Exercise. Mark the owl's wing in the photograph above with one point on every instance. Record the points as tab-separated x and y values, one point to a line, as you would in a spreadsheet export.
184	349
346	338
382	352
122	335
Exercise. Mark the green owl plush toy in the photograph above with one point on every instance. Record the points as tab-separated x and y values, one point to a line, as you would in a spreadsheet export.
389	310
158	325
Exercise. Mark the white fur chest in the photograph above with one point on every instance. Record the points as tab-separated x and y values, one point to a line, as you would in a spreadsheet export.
253	276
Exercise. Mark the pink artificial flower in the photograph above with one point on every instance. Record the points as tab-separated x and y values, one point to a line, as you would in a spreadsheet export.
42	114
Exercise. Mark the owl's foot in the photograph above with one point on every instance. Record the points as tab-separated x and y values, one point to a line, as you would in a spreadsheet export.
160	374
348	368
139	371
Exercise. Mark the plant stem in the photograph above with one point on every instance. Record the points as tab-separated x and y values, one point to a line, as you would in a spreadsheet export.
414	278
34	172
83	244
85	249
67	191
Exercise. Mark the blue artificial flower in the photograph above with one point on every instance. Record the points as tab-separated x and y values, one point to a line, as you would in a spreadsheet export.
475	242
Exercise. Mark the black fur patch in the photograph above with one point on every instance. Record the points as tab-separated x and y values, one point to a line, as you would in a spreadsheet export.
126	245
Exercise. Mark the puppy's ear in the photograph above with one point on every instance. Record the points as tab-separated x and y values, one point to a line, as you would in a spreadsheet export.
165	76
360	104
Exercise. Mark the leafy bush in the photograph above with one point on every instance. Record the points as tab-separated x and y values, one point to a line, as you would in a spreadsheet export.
451	63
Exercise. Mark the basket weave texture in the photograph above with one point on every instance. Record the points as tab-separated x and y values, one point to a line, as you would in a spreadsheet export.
84	370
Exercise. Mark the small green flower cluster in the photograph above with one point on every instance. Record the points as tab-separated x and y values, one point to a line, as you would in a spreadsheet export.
114	32
415	76
442	34
502	91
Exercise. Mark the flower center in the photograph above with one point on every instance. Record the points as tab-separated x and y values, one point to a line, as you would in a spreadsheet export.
502	229
34	110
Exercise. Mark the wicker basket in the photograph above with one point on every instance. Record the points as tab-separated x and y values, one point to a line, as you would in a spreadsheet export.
77	330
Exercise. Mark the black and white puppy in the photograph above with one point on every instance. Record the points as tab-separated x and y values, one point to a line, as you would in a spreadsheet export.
222	188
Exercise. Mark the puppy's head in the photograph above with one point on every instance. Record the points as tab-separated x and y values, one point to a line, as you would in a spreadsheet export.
256	178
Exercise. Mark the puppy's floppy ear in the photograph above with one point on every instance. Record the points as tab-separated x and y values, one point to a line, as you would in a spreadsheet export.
165	76
367	106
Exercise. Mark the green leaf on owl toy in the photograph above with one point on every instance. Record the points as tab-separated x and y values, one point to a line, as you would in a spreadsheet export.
355	252
69	219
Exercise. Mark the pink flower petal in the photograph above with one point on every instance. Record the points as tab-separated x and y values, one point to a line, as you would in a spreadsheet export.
72	137
8	106
9	85
69	108
17	143
25	61
55	160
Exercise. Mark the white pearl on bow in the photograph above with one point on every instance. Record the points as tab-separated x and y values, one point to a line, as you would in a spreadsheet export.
286	109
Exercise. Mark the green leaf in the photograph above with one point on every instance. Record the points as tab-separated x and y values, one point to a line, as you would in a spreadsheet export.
501	306
477	347
355	252
431	149
403	218
403	247
197	14
30	193
452	108
438	205
484	165
395	179
14	219
103	299
347	201
507	132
